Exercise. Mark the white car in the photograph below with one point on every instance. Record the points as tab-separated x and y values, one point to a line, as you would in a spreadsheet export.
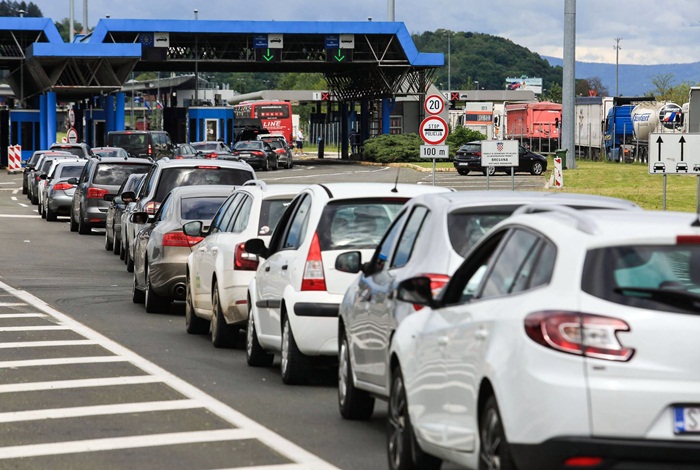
60	168
219	269
566	339
293	299
445	226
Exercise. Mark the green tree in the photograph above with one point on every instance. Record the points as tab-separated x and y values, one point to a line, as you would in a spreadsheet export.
585	85
663	84
63	27
13	8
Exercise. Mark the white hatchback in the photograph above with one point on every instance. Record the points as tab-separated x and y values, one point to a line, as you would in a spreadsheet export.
294	297
566	339
219	269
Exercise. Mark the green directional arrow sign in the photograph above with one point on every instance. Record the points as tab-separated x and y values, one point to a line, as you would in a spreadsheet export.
339	56
268	56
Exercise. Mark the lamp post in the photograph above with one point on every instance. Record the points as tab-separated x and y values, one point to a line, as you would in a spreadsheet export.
477	84
196	63
617	64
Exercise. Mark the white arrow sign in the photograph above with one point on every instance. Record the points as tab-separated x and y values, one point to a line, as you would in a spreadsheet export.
672	153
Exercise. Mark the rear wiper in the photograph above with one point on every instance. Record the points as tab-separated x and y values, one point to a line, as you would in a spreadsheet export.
675	297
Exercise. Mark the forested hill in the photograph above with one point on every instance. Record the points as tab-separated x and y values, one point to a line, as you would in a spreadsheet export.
484	58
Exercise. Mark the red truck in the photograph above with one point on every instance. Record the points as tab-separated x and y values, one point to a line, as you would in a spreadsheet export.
536	124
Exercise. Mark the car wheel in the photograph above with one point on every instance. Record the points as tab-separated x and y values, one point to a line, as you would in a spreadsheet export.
24	188
137	296
50	215
222	334
41	210
294	365
255	355
266	164
73	223
116	245
154	302
34	200
353	403
193	324
122	251
536	168
494	451
490	170
109	244
83	228
129	262
463	172
402	449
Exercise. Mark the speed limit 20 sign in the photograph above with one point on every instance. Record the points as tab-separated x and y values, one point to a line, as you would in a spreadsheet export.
434	104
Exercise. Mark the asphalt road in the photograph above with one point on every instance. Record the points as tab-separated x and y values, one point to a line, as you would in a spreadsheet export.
89	379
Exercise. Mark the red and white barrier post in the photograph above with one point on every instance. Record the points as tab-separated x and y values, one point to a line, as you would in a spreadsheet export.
14	158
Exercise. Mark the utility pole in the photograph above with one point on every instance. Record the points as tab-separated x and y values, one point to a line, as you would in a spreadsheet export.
617	64
569	85
391	10
71	21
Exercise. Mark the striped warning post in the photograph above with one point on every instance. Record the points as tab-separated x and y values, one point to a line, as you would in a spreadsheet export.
14	158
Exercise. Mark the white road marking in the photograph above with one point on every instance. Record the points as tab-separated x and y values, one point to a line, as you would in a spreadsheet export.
79	383
35	328
18	216
10	182
12	304
43	344
100	410
14	198
284	466
130	442
248	427
21	315
61	361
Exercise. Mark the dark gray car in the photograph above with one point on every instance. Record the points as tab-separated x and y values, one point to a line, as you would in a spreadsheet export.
113	224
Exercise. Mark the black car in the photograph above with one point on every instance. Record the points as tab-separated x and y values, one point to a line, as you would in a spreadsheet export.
151	144
468	158
257	154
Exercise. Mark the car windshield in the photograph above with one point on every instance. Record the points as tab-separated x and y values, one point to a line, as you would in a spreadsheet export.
655	277
249	145
270	213
114	173
204	174
206	145
466	227
356	224
114	152
200	208
69	171
78	151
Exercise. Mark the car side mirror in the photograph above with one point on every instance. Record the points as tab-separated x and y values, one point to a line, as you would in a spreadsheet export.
122	200
257	246
193	229
109	197
139	218
349	262
72	181
416	290
128	196
43	176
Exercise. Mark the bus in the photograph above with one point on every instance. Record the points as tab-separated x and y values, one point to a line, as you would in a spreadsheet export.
276	116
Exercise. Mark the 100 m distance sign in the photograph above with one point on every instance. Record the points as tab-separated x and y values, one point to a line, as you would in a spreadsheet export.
433	130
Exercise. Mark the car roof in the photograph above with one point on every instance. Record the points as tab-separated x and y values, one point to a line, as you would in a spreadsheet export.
272	190
175	162
203	190
354	191
123	159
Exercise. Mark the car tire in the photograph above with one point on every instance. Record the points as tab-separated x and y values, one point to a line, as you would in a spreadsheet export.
536	168
255	355
41	210
109	245
294	365
24	187
122	251
154	302
223	335
266	165
490	170
116	245
193	324
352	402
83	228
129	262
463	172
73	223
402	449
137	295
50	215
34	200
494	447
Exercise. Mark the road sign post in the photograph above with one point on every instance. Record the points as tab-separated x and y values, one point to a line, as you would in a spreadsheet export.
499	153
672	153
433	130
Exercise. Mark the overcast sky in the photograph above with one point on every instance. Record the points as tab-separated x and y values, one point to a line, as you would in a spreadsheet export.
652	31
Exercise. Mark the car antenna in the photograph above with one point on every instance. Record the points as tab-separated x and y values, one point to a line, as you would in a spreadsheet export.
396	183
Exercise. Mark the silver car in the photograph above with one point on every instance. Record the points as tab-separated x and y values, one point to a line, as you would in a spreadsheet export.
430	237
161	248
58	192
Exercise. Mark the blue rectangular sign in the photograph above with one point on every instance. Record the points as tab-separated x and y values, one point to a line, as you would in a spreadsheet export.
332	41
260	41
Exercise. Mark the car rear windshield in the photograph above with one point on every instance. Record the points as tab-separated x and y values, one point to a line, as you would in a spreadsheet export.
70	171
252	145
356	224
200	208
205	174
655	277
114	173
78	151
466	227
470	148
270	212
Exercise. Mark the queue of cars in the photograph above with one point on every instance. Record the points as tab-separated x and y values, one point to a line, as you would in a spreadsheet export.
504	329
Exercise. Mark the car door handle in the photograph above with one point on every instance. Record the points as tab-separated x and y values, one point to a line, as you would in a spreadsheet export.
215	250
267	268
443	341
481	334
284	268
202	248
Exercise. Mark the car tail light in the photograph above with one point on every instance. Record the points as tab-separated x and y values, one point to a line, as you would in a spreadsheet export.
688	239
211	155
38	178
96	193
62	186
204	167
150	150
437	282
180	239
257	152
583	462
314	278
244	261
583	334
280	151
478	154
152	207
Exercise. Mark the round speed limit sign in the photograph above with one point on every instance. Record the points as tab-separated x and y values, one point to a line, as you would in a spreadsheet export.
434	104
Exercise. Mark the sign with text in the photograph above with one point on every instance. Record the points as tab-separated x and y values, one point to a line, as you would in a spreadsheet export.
434	104
433	130
499	153
260	41
434	151
674	153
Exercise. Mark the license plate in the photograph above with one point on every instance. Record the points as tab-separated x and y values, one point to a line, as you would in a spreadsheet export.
686	419
464	164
